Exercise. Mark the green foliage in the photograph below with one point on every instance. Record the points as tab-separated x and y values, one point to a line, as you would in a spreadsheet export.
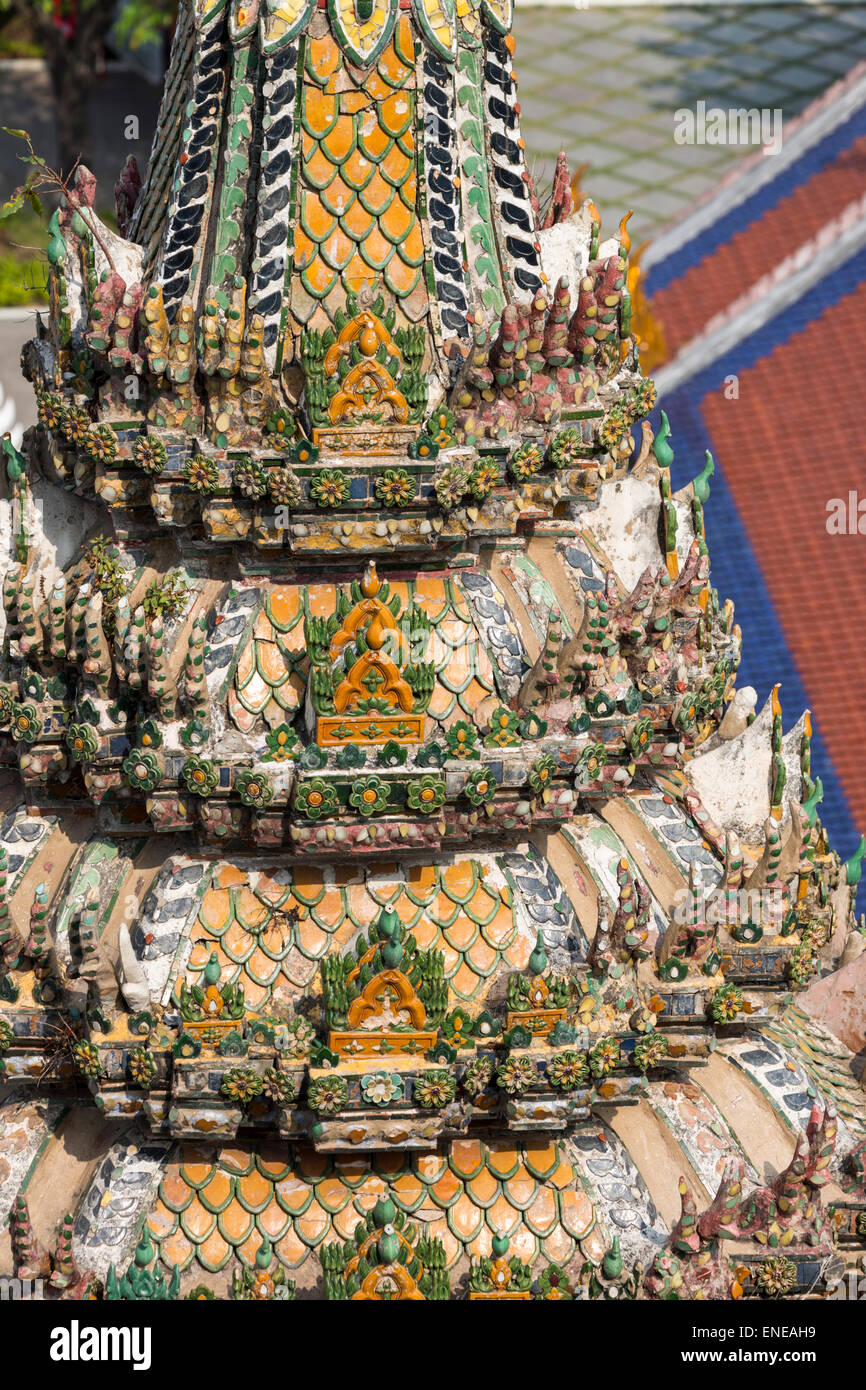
165	598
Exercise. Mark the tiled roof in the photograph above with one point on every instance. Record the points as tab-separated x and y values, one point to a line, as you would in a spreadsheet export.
761	295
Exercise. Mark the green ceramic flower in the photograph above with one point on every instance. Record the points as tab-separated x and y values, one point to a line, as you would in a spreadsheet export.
82	743
426	794
51	411
442	427
330	487
477	1076
604	1056
242	1085
451	486
382	1088
282	425
801	964
278	1086
726	1003
650	1052
643	398
316	798
304	452
76	425
568	1071
424	447
142	1067
565	448
395	488
689	714
433	1090
526	461
541	773
150	453
504	729
392	754
457	1027
776	1276
327	1094
461	740
202	474
142	769
284	487
200	775
6	1036
554	1284
250	479
350	756
26	724
100	444
515	1075
614	426
282	744
150	734
86	1057
641	737
194	734
480	787
483	478
369	795
591	763
254	789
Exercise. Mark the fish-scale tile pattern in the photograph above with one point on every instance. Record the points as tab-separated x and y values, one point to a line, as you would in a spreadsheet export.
270	932
269	680
824	1059
213	1206
357	208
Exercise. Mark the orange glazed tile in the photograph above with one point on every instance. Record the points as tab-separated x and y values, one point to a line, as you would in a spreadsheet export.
214	1250
412	249
521	1188
519	951
338	249
369	1193
577	1213
271	1159
464	1218
273	1220
357	221
339	197
482	1245
475	692
558	1246
484	1189
429	1167
323	56
236	1157
446	1189
390	66
484	904
502	1158
314	1225
523	1245
352	1168
314	940
460	879
453	1247
445	910
306	883
229	876
339	141
396	165
464	981
408	1190
248	1250
421	878
176	1250
255	1190
401	277
174	1191
466	1157
246	662
345	1221
451	958
426	933
563	1176
502	1218
440	700
542	1214
197	1220
235	1223
462	934
482	957
294	1192
196	1164
377	250
284	603
306	251
594	1246
291	1249
216	906
396	220
543	1158
501	929
161	1221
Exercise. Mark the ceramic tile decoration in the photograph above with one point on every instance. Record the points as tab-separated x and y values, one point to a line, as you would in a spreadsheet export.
398	897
